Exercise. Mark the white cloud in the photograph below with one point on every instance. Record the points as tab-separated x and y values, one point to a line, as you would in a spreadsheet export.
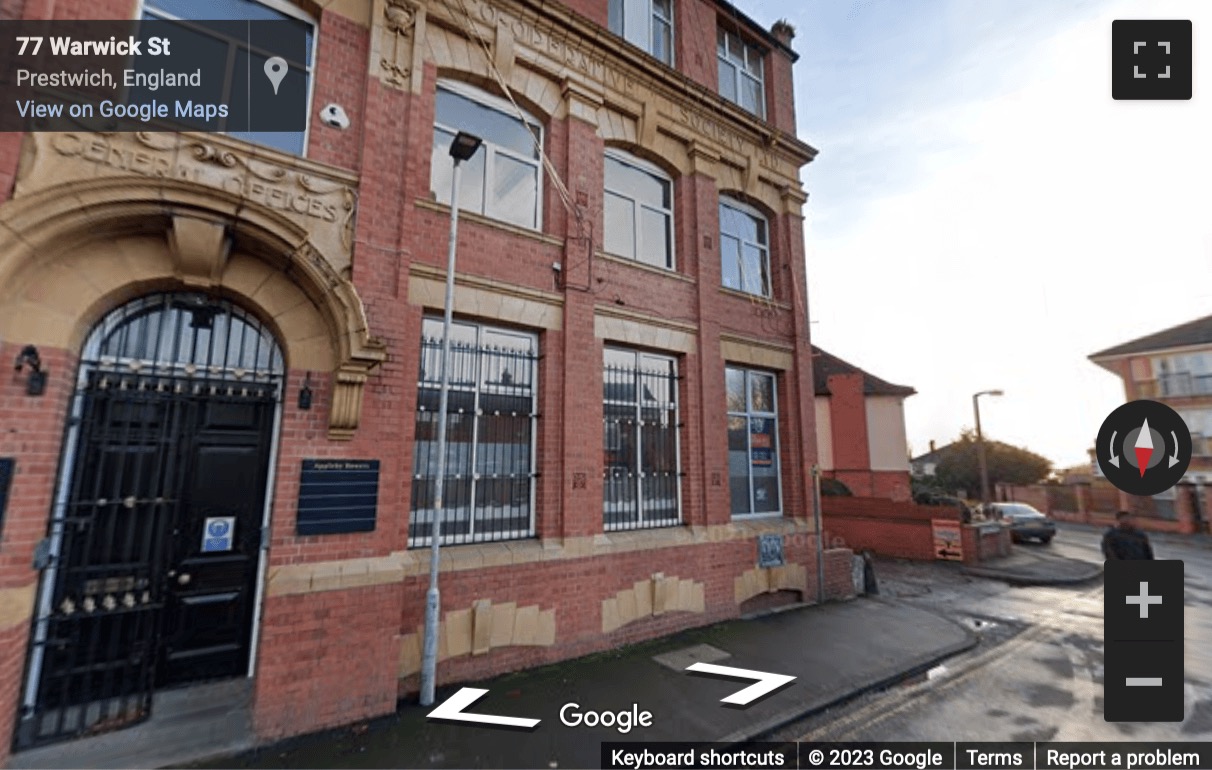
1044	221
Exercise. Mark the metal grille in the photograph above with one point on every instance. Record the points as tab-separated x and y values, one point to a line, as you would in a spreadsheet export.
641	478
149	370
491	414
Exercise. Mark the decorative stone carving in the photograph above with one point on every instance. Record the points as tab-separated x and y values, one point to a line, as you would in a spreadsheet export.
199	249
220	201
391	55
319	199
346	407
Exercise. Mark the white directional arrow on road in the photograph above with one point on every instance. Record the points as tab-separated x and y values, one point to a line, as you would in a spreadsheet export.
765	684
452	709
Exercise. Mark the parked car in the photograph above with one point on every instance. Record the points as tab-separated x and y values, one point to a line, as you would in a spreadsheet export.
1026	523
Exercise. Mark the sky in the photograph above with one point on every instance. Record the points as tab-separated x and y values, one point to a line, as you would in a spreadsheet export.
983	215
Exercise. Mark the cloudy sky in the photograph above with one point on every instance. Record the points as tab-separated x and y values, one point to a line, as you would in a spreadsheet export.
983	214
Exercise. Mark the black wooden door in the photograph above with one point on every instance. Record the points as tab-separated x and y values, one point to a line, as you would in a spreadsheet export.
212	567
139	599
152	554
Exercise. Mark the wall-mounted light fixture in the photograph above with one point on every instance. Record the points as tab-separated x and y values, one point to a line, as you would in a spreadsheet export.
35	385
305	394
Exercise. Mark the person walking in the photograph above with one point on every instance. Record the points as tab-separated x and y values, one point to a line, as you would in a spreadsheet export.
1125	541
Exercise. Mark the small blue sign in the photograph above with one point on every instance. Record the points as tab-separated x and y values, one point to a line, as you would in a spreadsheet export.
217	534
770	550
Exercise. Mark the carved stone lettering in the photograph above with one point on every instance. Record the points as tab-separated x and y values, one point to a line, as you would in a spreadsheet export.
560	46
319	199
714	129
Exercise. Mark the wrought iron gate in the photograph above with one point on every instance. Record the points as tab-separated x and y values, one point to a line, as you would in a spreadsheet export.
165	383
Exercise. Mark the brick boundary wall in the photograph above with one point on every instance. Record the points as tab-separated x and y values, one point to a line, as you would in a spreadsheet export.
904	530
1096	506
886	527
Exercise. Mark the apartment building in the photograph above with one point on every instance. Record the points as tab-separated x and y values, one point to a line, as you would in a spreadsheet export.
1173	366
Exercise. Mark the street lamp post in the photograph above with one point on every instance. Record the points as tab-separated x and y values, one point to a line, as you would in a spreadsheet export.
462	148
980	442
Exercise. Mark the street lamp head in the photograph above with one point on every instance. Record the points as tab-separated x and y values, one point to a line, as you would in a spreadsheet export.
464	145
989	393
997	393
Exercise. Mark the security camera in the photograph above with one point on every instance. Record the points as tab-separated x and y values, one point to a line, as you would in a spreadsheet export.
334	116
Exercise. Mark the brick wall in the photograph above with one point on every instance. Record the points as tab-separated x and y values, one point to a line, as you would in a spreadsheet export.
780	90
892	485
904	530
885	527
31	431
984	543
1097	505
839	578
848	410
311	677
12	664
1035	495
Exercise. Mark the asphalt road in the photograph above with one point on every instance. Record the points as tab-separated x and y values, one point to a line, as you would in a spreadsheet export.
1037	675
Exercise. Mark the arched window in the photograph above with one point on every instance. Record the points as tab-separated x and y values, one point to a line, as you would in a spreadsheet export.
185	334
503	180
639	210
744	248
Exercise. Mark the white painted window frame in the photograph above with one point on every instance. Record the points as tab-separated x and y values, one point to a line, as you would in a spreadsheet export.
637	206
505	107
641	35
749	53
744	208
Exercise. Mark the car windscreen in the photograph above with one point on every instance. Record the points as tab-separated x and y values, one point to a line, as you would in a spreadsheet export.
1019	511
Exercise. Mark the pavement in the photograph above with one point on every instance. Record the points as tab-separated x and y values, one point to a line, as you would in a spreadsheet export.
836	651
1037	565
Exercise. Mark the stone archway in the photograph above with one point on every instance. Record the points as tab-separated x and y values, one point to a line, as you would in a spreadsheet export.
97	219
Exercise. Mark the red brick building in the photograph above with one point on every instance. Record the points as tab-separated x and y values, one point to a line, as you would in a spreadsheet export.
218	450
860	428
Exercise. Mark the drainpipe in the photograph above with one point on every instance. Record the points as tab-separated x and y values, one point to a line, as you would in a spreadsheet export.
820	545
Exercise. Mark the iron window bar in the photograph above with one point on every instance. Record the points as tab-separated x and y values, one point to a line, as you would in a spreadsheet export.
492	416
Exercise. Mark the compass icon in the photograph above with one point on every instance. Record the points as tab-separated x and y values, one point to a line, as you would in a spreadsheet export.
1144	447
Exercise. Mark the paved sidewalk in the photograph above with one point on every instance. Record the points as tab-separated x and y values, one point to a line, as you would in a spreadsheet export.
1037	566
836	651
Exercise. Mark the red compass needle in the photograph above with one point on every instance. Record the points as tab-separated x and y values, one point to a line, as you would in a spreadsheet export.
1144	447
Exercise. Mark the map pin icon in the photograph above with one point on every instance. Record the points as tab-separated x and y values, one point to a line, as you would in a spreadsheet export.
275	70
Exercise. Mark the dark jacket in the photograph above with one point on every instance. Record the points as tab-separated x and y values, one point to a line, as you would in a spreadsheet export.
1126	544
